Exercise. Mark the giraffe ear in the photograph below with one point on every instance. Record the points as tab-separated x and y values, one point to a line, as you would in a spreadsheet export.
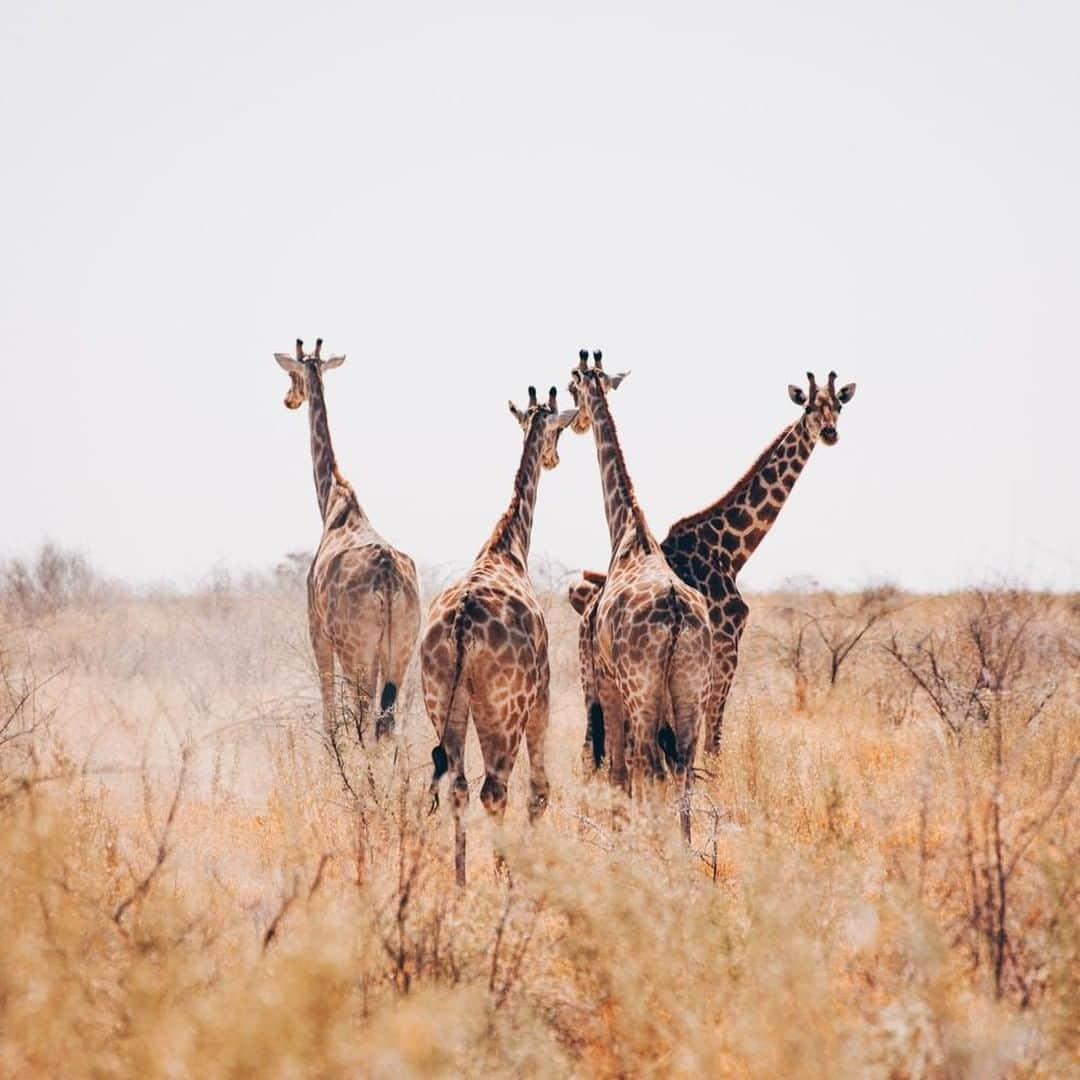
288	363
516	413
566	418
796	394
614	381
333	362
846	393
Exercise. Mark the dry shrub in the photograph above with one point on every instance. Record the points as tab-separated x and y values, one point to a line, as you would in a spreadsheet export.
815	632
191	888
53	580
1001	645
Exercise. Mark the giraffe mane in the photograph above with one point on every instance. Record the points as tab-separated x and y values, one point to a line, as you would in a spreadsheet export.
736	489
500	535
346	487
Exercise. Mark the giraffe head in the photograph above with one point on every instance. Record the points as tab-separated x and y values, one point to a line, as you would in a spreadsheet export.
583	592
584	381
298	367
823	405
552	423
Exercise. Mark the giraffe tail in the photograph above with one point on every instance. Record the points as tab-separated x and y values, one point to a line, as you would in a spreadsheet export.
390	582
439	758
594	728
596	733
665	734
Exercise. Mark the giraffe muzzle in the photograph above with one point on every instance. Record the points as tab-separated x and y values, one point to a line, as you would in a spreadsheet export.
828	435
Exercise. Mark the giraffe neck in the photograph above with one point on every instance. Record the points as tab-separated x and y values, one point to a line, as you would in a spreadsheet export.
620	504
323	461
729	531
513	533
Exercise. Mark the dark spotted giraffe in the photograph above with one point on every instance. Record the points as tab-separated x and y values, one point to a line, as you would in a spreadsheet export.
484	651
708	549
647	676
363	600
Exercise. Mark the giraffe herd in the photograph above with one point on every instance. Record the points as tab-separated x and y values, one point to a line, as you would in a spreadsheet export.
659	631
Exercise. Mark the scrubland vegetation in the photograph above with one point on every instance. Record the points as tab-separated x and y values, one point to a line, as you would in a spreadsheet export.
884	878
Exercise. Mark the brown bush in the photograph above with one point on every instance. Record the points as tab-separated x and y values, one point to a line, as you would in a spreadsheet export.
189	888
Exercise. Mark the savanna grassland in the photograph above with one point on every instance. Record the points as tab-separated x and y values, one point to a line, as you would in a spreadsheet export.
884	878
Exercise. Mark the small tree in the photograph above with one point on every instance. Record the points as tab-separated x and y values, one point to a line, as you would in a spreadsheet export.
847	619
789	645
962	669
55	579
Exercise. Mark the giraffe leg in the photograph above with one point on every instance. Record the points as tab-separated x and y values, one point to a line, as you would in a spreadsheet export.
645	700
535	738
644	757
449	757
324	662
614	722
687	710
359	662
447	704
723	673
500	721
689	686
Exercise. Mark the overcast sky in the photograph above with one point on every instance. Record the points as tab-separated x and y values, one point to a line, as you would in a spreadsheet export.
721	196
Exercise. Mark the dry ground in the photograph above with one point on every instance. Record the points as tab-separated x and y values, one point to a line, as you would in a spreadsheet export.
884	879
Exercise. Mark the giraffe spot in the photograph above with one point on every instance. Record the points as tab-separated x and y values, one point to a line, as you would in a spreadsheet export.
754	537
768	512
497	635
757	492
738	518
768	474
729	541
735	608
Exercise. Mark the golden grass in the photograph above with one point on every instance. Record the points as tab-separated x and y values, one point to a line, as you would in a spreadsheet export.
187	889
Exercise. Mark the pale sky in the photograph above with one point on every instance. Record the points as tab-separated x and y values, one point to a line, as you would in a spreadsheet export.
720	196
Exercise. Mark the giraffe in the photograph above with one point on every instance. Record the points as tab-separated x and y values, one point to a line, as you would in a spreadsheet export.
484	651
646	676
363	599
708	549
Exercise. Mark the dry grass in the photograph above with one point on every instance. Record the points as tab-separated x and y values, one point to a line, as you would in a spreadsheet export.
878	887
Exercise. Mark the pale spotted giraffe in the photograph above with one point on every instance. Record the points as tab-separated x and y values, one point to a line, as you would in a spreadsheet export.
484	650
646	679
363	600
708	549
